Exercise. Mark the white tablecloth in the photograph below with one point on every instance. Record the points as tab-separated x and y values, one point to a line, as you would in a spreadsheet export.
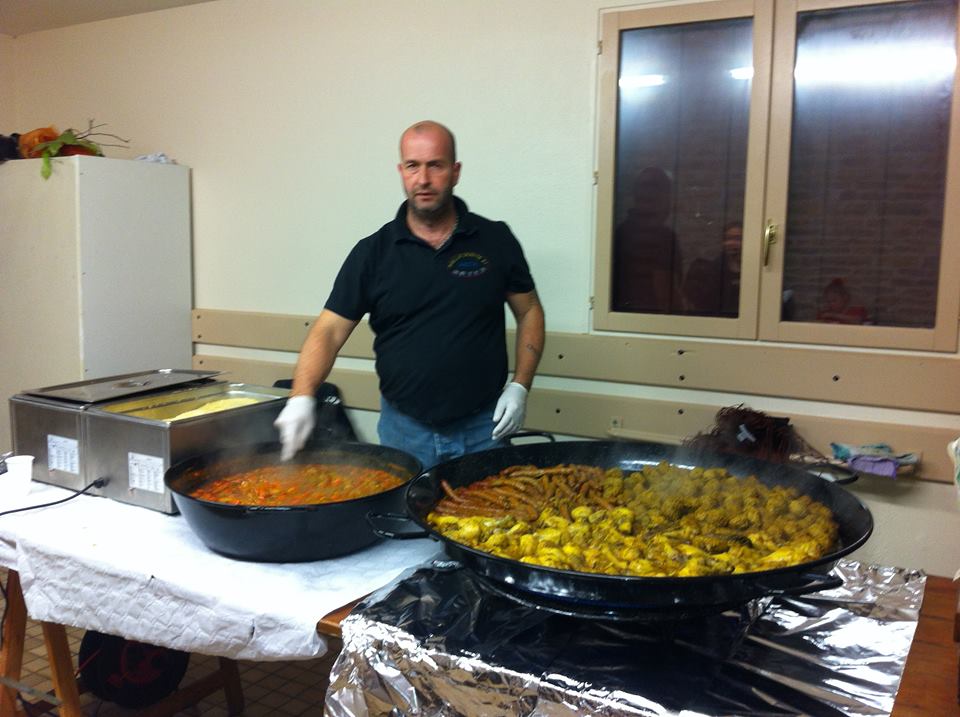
100	565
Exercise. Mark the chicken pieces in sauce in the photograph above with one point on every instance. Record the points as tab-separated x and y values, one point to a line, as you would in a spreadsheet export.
663	520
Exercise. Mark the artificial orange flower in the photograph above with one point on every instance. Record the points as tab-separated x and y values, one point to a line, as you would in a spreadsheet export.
28	141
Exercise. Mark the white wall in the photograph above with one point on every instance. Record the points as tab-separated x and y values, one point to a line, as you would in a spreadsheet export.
290	112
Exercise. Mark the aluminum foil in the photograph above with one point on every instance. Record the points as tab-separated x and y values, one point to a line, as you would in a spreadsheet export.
436	641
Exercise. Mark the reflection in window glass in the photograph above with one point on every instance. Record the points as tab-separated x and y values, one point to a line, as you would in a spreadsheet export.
872	98
682	116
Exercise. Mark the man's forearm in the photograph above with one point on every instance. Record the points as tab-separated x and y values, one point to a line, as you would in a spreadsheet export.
529	349
326	337
313	367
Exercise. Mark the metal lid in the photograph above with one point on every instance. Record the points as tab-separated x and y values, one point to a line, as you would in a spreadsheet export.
115	387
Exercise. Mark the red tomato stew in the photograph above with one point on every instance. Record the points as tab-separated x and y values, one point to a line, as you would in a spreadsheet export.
306	484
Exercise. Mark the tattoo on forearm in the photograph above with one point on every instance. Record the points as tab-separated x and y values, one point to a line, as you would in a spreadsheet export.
534	349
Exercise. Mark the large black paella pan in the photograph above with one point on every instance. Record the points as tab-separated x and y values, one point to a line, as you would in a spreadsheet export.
600	594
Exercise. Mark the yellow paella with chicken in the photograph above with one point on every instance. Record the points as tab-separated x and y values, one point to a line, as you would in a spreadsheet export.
661	521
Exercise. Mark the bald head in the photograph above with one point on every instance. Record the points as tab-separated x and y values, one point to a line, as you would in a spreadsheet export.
429	171
428	127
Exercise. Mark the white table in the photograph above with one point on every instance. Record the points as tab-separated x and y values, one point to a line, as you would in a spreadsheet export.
100	565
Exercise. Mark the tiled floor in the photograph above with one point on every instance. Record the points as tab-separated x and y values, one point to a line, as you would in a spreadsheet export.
269	688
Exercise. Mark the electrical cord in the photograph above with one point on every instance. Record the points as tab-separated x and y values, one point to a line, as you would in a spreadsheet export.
98	483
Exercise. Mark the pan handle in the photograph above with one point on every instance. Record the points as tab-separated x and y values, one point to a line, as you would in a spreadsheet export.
830	472
815	583
376	520
531	434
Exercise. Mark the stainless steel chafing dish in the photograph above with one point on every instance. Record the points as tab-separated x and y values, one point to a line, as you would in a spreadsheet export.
131	428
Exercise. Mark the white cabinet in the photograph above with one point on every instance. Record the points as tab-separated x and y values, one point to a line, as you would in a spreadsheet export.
95	272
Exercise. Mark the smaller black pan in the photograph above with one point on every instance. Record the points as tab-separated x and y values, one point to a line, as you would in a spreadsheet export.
287	534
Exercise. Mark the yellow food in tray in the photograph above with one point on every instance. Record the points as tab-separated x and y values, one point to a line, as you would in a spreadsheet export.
661	521
221	404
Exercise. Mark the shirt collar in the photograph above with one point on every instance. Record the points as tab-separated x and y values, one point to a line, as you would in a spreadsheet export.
465	225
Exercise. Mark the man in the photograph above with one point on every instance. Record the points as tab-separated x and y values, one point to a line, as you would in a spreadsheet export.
730	271
646	256
434	281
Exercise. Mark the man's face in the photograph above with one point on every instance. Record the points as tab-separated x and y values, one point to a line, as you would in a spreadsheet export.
835	299
732	246
428	171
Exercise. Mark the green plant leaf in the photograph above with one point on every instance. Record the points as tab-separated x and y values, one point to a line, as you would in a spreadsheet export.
67	138
53	146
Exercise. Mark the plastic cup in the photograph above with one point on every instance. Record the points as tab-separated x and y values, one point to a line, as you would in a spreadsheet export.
15	483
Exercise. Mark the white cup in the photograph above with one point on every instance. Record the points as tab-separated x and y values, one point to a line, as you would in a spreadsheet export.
15	483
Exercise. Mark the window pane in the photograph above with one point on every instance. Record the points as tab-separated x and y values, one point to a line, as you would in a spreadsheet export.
682	116
871	118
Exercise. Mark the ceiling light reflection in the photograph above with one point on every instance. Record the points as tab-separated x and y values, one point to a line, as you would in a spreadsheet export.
876	65
632	82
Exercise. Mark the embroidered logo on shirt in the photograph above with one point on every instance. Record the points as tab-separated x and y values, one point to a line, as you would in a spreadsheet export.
468	265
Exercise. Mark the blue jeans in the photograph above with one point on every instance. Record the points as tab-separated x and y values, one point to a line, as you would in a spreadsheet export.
432	445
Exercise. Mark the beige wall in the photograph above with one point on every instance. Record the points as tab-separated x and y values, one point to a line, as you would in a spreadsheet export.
7	114
289	114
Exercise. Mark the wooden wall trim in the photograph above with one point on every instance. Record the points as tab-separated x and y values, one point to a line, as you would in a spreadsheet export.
277	332
861	377
601	416
358	389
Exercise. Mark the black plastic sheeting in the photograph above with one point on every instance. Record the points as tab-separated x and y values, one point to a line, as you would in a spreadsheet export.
437	641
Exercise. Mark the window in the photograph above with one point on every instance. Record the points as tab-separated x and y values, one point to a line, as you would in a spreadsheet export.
780	171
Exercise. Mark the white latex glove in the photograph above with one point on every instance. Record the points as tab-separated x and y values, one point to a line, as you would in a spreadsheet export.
295	424
510	410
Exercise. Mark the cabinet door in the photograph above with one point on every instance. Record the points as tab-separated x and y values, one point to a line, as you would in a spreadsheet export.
135	260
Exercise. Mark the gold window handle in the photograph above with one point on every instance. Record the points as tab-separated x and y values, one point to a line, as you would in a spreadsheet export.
769	238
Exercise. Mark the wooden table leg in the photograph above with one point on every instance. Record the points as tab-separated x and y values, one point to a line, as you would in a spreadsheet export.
227	678
62	672
11	654
956	638
231	686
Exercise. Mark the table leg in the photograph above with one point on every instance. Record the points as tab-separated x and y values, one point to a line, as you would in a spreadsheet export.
231	686
11	653
956	638
227	678
62	672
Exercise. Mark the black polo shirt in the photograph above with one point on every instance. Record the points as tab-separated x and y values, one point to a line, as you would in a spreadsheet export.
438	315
